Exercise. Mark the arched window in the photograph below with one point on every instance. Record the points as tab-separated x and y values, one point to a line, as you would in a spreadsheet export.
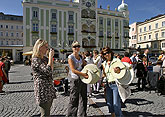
84	13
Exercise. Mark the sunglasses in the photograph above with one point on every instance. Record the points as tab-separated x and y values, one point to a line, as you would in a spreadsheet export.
77	46
106	53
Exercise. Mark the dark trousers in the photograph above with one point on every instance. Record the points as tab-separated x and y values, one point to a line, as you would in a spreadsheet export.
78	98
45	108
143	79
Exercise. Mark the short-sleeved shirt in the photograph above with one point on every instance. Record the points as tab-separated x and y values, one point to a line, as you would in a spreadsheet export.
126	59
77	65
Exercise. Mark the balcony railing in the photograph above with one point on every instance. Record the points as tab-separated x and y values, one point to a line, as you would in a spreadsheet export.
70	33
34	31
53	32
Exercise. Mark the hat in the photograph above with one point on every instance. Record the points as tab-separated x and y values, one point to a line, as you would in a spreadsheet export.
93	74
126	74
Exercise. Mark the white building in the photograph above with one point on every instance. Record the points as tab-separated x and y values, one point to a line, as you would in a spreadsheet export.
11	36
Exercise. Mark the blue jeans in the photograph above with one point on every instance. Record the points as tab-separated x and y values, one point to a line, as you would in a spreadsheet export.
113	99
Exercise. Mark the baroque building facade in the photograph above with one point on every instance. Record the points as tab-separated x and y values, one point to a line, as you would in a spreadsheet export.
61	22
11	36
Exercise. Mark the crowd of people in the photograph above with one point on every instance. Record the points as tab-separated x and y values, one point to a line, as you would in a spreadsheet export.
45	92
42	65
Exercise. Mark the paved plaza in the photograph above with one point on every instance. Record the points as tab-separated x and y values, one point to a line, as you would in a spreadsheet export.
18	101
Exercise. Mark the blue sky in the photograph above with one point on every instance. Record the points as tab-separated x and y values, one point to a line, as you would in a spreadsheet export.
139	9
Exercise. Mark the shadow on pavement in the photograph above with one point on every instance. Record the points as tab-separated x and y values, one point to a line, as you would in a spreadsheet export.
21	82
65	116
140	114
21	91
138	101
13	71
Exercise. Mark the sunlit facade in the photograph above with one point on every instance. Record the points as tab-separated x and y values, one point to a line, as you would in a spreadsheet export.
61	22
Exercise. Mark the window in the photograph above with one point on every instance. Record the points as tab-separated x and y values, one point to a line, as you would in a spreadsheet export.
54	28
149	36
163	23
70	42
144	37
155	45
156	35
12	27
12	42
17	34
12	34
22	27
1	33
7	34
140	38
150	27
163	45
54	16
7	43
135	37
116	23
101	33
163	34
140	30
35	14
156	25
6	26
35	27
132	37
101	21
132	29
16	27
1	42
71	29
144	29
1	26
108	22
108	33
70	17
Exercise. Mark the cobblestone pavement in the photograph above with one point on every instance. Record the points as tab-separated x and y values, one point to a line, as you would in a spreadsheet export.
18	100
139	104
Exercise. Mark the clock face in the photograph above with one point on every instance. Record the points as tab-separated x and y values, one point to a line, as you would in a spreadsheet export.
88	4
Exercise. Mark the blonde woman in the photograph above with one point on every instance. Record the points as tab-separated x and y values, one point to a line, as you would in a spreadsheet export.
78	89
42	67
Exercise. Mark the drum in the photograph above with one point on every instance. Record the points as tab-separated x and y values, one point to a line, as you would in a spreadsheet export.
93	74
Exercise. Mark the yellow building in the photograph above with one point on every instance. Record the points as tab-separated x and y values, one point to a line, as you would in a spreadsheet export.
151	34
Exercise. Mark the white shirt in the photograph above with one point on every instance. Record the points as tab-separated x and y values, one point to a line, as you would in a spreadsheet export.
97	61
